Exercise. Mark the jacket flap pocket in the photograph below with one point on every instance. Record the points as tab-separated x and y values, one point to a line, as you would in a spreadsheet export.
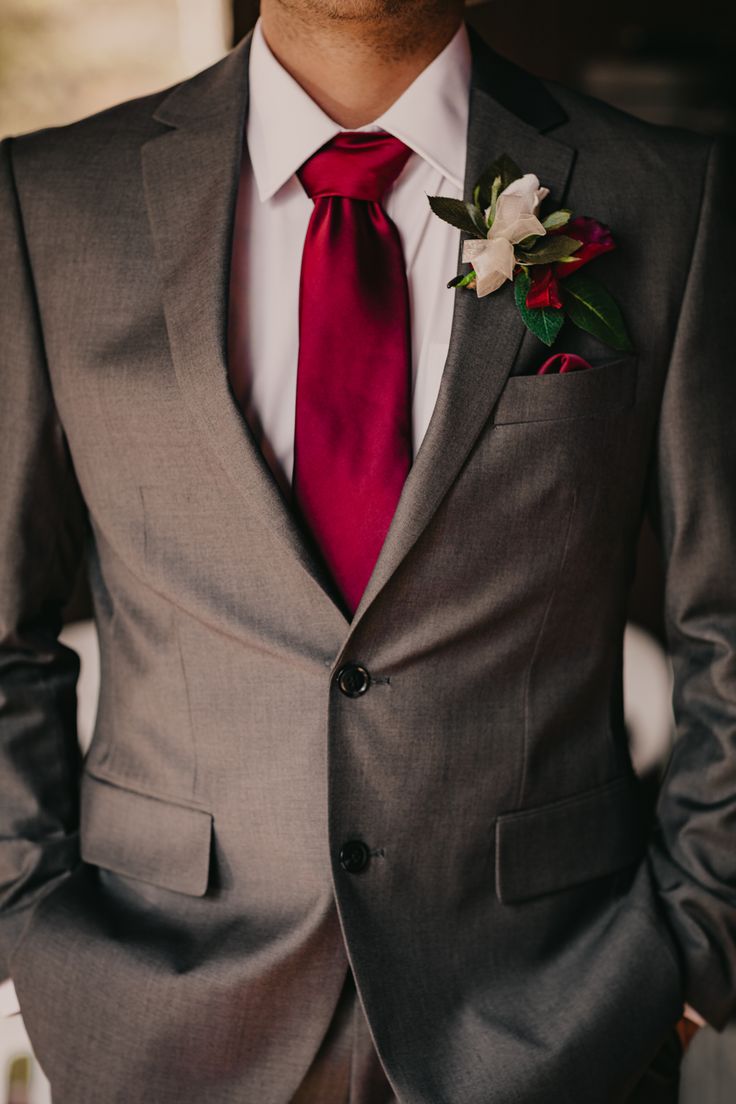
567	842
145	837
593	392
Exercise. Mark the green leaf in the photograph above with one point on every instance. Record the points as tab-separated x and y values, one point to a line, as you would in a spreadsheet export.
462	280
508	170
502	167
549	250
480	200
556	219
592	308
478	220
483	188
495	191
457	213
544	322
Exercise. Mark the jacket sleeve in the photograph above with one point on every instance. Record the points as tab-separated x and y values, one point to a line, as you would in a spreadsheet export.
42	532
691	501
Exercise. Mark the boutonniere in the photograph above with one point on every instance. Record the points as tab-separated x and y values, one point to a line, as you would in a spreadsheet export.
542	258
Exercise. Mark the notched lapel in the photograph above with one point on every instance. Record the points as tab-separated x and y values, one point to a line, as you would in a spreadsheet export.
191	172
509	110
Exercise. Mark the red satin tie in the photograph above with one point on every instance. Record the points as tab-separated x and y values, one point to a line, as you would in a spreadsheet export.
352	440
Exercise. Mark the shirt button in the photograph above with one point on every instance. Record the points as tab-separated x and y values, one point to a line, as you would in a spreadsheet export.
353	680
354	856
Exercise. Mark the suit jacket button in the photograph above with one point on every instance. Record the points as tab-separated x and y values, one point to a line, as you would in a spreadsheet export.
353	680
354	856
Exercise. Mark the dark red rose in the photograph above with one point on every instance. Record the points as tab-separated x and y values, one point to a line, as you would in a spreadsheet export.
544	290
595	238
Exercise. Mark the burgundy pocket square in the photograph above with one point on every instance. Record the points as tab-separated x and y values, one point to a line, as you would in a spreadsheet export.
562	362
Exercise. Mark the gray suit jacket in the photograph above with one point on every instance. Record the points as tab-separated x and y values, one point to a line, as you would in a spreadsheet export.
174	911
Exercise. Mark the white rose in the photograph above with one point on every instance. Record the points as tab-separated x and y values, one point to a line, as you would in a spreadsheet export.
527	187
516	219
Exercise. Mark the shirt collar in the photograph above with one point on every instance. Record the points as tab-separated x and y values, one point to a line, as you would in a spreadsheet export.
285	126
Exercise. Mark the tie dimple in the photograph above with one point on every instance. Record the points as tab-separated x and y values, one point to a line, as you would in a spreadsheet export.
354	164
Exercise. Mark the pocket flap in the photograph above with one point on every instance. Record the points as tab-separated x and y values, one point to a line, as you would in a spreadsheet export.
145	837
594	392
567	842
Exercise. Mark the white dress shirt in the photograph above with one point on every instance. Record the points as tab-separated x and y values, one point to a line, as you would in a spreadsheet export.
284	127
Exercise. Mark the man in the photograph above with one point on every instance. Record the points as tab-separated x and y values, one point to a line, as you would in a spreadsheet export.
358	821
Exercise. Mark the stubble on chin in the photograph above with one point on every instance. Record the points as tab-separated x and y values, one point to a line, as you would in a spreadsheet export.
388	27
367	11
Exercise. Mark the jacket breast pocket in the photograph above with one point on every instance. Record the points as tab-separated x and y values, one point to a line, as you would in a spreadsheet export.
153	840
597	391
565	843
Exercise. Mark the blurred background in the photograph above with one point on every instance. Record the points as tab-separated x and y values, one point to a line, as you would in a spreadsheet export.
668	61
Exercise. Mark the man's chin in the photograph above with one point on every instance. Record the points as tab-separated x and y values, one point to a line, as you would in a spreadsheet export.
358	10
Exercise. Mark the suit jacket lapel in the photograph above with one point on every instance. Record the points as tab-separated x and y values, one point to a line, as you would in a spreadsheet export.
190	174
509	110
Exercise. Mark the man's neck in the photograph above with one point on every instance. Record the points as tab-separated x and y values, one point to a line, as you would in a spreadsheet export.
355	68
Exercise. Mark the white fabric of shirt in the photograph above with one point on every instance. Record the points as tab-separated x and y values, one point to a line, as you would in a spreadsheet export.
284	127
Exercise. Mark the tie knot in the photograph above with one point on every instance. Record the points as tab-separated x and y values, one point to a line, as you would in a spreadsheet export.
357	164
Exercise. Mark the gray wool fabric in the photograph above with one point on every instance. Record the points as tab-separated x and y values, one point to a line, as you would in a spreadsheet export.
173	910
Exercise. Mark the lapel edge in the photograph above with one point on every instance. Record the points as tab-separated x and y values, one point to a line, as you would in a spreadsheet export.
504	99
